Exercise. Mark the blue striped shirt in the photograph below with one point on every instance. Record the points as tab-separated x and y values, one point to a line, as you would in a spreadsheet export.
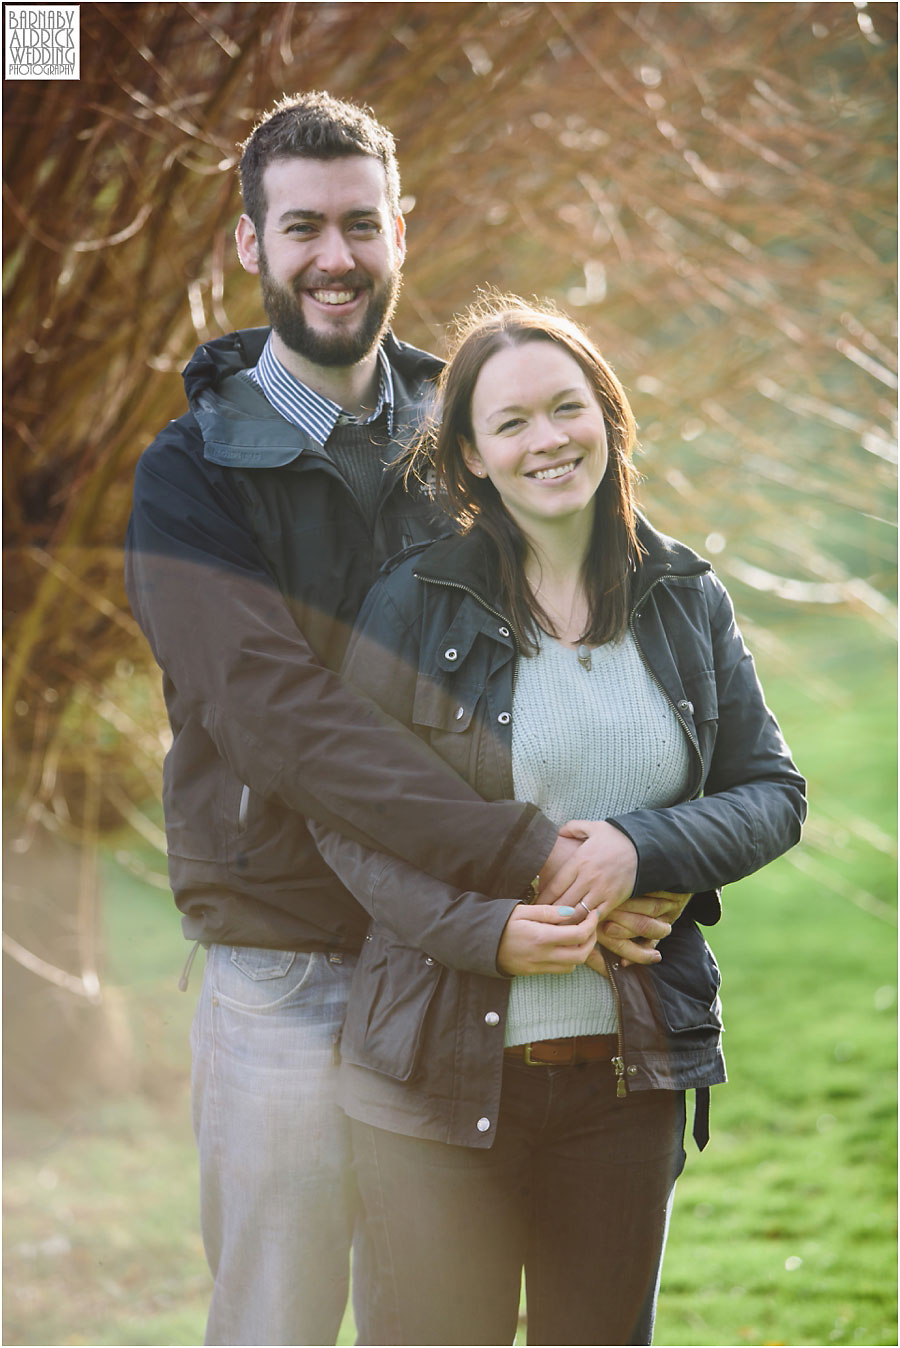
310	411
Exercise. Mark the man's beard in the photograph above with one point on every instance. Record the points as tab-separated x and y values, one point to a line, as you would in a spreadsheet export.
285	314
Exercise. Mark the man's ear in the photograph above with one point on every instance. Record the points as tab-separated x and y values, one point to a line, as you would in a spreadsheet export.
471	458
247	245
400	237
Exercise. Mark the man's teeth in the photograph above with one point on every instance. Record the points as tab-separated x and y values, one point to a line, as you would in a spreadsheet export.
334	296
554	472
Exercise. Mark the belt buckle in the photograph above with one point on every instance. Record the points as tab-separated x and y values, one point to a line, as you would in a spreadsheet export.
529	1061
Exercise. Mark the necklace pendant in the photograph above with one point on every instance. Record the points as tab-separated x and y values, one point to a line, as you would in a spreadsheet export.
584	658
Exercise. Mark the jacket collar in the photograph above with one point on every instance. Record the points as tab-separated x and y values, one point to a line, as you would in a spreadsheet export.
467	560
241	428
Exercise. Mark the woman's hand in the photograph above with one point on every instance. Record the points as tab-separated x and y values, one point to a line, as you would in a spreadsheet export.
542	939
600	873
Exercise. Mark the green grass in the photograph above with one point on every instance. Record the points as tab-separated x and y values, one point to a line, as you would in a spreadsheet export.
783	1231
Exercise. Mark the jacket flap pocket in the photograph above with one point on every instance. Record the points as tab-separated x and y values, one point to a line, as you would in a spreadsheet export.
687	981
700	690
682	1012
441	706
393	986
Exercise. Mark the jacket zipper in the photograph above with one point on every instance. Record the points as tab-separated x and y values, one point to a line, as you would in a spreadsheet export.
456	585
646	663
618	1061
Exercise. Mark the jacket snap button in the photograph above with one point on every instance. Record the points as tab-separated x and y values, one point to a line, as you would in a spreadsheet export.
504	631
632	1071
460	713
483	1125
492	1018
504	718
451	653
429	960
687	706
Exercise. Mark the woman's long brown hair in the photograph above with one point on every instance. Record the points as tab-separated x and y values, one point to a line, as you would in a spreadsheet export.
496	322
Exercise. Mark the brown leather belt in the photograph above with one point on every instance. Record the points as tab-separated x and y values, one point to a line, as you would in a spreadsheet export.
566	1052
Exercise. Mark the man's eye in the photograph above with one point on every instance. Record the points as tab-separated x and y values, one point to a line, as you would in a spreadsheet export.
364	227
300	229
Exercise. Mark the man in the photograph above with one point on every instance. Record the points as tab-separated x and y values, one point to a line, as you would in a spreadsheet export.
260	520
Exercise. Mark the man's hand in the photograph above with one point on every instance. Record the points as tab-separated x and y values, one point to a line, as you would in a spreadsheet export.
638	926
563	850
541	939
600	873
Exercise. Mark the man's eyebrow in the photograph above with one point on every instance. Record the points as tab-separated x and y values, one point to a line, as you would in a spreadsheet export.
299	213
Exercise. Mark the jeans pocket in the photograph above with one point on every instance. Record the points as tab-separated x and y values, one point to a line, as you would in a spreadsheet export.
254	979
260	964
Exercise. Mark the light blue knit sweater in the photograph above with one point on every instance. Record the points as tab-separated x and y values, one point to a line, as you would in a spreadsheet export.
587	745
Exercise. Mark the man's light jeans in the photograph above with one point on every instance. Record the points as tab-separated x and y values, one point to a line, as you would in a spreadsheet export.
278	1200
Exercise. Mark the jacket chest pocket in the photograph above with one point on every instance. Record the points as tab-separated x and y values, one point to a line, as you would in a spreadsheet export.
459	679
443	712
703	708
449	685
393	987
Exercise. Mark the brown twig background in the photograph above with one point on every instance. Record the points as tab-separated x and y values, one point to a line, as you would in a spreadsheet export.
711	188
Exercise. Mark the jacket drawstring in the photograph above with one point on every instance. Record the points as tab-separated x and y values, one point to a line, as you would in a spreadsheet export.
188	965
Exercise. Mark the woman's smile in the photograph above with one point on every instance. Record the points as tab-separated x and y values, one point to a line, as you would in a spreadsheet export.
559	470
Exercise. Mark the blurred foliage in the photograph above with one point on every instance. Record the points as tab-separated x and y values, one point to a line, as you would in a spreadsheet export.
710	187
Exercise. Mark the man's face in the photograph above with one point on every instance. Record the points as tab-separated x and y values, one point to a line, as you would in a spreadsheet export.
329	257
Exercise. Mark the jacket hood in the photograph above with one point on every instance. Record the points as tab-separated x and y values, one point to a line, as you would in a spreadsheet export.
239	425
223	356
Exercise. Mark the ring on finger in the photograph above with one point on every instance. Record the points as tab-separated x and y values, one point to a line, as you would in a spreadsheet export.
581	903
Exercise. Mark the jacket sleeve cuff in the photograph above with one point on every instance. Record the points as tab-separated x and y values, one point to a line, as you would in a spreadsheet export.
528	847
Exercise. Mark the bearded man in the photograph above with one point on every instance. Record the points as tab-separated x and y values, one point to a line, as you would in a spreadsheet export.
261	518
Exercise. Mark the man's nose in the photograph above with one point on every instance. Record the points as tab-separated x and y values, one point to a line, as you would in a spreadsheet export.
334	254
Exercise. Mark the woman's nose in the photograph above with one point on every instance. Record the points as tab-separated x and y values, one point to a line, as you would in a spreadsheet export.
547	435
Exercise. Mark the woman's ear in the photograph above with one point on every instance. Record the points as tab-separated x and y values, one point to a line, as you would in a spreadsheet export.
471	458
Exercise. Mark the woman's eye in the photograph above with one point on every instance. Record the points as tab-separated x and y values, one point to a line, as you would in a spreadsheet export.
571	407
509	425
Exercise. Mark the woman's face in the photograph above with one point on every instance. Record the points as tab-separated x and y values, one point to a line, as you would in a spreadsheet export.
539	433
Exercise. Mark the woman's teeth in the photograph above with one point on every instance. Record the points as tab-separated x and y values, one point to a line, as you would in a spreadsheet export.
558	471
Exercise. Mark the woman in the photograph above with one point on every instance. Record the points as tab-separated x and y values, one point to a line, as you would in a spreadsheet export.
557	648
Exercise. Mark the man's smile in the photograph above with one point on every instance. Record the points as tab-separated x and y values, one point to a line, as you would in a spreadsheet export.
334	297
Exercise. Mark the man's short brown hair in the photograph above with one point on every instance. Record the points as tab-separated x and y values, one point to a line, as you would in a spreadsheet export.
313	126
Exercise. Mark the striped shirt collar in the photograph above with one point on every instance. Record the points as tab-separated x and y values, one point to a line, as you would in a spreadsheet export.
310	411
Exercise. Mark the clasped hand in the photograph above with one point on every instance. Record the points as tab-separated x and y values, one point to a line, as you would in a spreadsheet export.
592	869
